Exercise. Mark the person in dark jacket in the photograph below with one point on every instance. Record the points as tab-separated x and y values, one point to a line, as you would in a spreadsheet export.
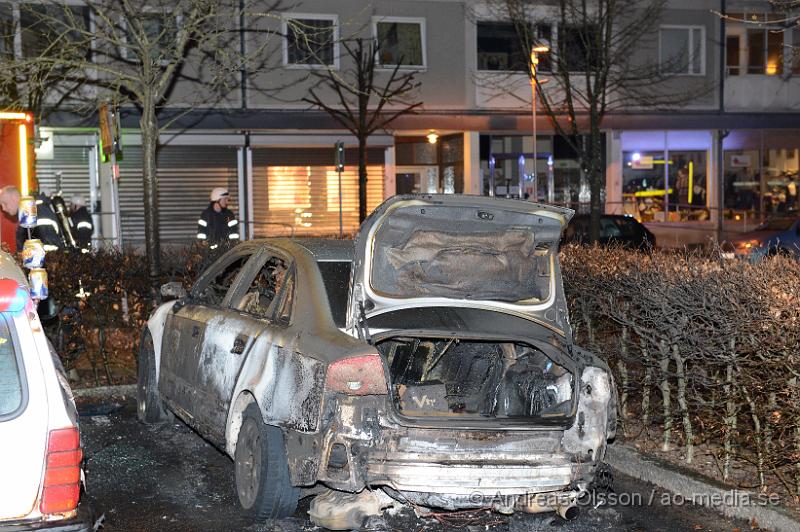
47	229
82	225
217	223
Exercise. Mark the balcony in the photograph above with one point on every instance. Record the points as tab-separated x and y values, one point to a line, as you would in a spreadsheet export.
755	93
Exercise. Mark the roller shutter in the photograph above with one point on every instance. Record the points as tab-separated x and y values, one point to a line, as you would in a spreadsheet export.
73	163
186	175
296	190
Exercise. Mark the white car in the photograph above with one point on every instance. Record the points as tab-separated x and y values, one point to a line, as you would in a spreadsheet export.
40	454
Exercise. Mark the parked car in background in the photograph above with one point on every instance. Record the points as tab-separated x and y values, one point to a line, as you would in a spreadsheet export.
615	229
777	236
41	458
431	361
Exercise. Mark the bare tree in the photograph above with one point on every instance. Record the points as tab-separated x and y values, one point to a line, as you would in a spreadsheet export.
366	101
151	54
599	64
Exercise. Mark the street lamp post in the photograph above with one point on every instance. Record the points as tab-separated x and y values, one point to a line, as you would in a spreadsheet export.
535	50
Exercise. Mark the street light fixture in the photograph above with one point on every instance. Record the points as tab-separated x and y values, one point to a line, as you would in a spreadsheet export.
535	51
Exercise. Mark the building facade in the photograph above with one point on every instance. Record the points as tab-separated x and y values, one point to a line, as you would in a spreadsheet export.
733	149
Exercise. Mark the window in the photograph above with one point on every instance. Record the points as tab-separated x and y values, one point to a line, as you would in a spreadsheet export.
43	27
160	29
336	277
310	40
754	44
501	48
267	291
7	31
212	287
795	57
577	47
681	49
12	377
400	41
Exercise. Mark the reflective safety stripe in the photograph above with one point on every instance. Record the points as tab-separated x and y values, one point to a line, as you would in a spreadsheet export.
202	222
233	236
233	223
201	236
39	202
47	221
84	225
213	246
85	250
48	247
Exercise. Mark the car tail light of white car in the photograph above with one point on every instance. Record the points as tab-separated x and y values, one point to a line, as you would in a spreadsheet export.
62	475
359	375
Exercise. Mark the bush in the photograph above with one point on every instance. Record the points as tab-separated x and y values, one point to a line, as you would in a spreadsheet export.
104	299
700	343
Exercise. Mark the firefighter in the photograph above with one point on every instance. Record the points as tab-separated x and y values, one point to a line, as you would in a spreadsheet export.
47	229
81	222
218	224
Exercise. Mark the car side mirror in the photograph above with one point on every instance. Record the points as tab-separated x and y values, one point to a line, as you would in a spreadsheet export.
173	290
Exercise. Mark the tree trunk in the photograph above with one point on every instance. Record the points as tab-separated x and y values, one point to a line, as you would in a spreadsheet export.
730	420
663	362
683	404
362	179
648	379
149	131
596	177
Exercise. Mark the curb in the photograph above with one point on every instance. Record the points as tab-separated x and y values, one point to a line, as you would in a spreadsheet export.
104	391
693	487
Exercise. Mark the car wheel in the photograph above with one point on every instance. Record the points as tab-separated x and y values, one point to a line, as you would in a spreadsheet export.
262	471
150	409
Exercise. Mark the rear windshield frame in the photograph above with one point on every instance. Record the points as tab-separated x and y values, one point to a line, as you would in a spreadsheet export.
338	314
21	373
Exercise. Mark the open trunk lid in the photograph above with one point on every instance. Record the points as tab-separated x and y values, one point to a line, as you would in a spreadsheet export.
463	251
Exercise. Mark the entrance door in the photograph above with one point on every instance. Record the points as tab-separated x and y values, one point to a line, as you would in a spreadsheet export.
417	180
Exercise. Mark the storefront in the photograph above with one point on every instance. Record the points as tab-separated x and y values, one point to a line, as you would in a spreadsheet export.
665	175
762	172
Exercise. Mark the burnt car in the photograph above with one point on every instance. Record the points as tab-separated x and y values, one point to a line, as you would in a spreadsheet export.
615	229
430	361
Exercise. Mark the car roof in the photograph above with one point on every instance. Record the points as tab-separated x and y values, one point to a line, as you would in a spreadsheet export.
328	249
321	249
9	269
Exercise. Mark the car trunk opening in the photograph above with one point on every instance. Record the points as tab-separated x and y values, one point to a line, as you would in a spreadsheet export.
456	377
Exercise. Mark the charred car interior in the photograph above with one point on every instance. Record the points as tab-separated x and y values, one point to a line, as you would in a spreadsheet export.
429	361
455	377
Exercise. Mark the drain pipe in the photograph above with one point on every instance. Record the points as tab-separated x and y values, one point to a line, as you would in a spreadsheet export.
720	134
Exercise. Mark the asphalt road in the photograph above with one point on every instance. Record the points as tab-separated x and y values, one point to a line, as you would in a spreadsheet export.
152	478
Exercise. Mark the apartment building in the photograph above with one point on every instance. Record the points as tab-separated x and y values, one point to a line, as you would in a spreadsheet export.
473	133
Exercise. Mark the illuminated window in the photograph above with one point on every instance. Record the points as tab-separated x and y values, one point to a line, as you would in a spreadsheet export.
754	44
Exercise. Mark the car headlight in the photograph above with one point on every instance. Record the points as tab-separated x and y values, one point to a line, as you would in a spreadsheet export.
747	245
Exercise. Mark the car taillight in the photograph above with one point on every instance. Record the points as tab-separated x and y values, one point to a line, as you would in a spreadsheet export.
62	476
360	375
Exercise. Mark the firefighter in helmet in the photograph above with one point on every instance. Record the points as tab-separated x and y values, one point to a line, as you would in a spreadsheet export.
217	223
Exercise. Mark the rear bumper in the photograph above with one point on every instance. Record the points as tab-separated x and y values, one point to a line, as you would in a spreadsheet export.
483	479
82	522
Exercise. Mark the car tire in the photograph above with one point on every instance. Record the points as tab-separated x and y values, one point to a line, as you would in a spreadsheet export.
261	469
150	408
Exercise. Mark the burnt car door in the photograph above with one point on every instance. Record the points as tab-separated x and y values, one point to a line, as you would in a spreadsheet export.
181	369
260	305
